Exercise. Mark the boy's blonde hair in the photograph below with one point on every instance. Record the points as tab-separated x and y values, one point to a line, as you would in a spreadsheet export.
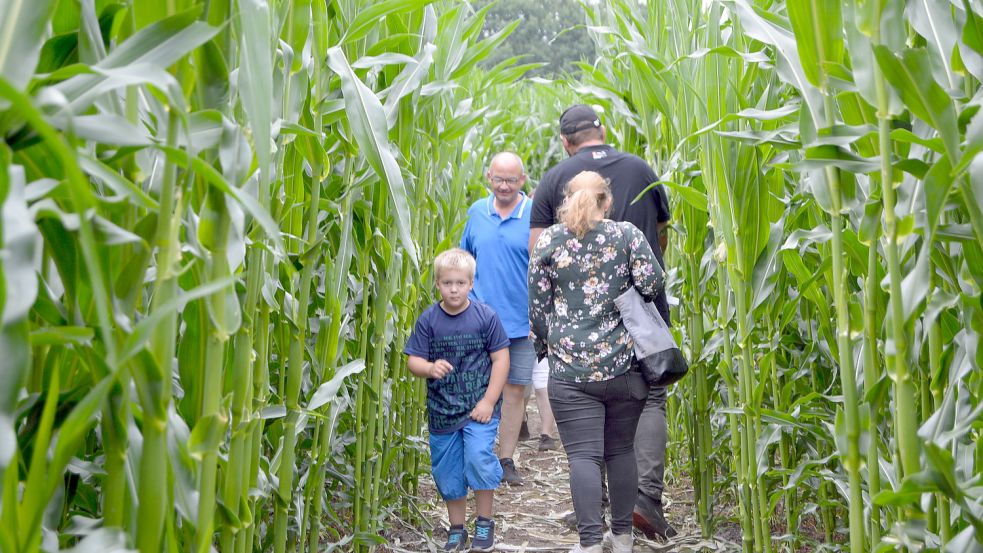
454	258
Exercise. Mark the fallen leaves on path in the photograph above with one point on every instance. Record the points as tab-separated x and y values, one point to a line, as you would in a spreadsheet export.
529	518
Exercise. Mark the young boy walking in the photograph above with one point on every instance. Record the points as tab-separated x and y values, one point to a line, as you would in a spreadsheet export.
462	350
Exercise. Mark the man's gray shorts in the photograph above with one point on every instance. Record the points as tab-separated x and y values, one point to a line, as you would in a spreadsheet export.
522	359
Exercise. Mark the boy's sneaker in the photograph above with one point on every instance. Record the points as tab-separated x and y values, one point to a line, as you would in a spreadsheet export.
484	535
596	548
509	474
546	443
618	543
457	539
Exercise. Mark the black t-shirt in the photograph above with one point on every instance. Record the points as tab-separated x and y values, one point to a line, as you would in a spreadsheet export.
629	176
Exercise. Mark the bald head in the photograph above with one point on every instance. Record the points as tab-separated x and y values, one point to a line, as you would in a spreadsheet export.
506	176
506	161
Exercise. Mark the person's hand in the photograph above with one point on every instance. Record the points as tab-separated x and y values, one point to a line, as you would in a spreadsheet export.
439	369
483	411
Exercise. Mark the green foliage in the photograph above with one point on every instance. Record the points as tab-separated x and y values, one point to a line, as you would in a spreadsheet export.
216	234
815	159
550	31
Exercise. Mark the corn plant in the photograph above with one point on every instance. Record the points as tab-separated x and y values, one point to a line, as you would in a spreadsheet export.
217	218
827	159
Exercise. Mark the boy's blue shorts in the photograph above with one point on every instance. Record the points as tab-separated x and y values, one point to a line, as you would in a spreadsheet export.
465	459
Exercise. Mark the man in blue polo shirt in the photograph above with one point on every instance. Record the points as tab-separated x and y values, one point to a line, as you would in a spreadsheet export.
497	235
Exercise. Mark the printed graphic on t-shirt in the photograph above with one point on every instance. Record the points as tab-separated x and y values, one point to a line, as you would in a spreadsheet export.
466	341
451	398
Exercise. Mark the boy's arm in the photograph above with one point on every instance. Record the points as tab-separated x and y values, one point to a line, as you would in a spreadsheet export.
425	369
499	374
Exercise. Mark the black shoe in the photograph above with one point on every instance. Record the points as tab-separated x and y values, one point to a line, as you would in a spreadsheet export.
570	520
649	519
457	540
510	476
524	431
484	535
547	443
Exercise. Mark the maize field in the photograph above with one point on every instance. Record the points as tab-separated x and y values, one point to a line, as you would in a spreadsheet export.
219	216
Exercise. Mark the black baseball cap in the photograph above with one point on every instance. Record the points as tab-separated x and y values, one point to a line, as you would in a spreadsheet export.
577	118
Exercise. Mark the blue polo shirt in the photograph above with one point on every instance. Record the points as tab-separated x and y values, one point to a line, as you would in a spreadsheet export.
501	248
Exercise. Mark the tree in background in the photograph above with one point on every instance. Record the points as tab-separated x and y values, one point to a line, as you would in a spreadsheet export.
551	31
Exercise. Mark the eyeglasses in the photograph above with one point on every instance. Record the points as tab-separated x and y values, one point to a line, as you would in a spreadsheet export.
511	181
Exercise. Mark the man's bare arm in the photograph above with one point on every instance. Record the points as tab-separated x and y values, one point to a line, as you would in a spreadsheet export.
663	235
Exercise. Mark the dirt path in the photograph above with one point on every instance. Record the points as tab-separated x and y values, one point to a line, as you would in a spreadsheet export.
530	517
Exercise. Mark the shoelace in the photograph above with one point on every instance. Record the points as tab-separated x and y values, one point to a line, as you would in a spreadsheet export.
482	532
455	537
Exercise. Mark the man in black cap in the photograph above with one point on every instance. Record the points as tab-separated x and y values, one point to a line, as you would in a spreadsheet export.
584	139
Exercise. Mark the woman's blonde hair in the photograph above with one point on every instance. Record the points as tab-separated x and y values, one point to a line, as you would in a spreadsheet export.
586	202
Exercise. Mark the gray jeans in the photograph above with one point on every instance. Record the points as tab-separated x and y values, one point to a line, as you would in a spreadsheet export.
597	421
650	444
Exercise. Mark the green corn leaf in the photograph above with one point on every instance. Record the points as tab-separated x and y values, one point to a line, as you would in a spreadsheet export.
820	157
105	128
143	330
806	277
938	183
770	434
695	198
213	77
159	45
478	52
863	63
916	284
904	135
971	45
790	66
933	20
329	390
368	121
408	81
21	246
102	540
119	184
297	31
805	237
245	199
207	434
62	335
818	28
21	33
8	442
463	121
74	428
911	76
256	82
767	267
92	47
368	18
967	540
383	60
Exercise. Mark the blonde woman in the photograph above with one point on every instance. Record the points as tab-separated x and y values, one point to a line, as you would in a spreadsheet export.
576	270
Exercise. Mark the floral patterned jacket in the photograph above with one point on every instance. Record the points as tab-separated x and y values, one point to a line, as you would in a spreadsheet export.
572	286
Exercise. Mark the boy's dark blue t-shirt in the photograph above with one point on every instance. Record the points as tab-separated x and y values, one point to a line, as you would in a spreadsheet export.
466	341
